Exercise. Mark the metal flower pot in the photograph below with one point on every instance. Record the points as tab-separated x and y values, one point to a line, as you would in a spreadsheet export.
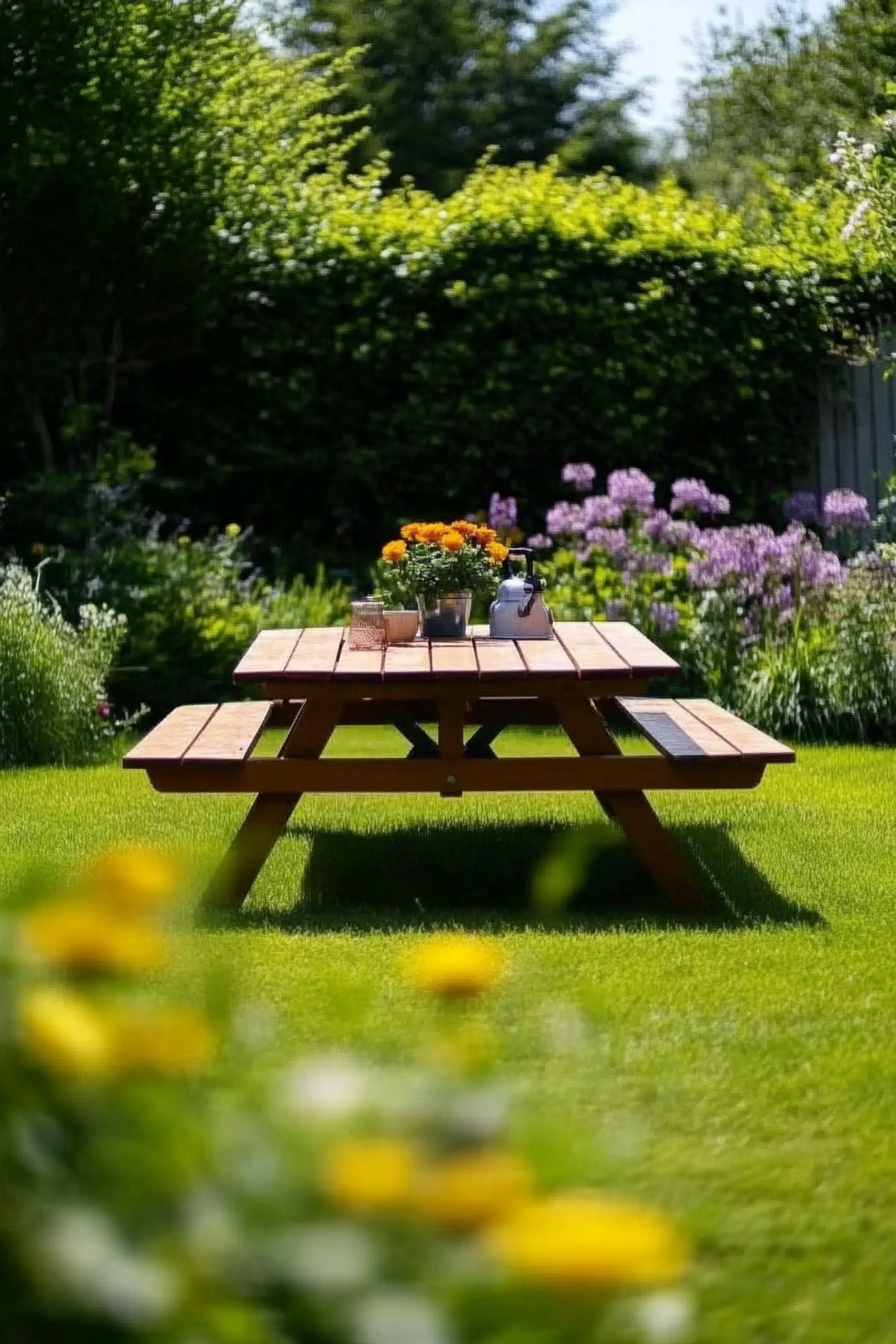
445	617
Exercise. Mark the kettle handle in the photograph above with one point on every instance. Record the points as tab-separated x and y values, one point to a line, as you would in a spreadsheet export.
519	550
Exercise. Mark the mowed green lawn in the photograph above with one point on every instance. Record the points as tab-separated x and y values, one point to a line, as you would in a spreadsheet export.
743	1069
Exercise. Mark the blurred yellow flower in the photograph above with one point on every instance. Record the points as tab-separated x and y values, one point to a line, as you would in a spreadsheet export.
136	878
472	1189
452	541
374	1175
454	965
583	1239
183	541
233	530
65	1033
394	551
172	1041
88	936
496	551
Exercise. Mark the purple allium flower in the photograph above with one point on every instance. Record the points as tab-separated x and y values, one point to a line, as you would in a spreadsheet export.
648	562
600	510
683	533
580	475
540	542
656	524
691	494
665	616
631	489
502	513
615	611
802	507
565	520
845	508
612	540
103	709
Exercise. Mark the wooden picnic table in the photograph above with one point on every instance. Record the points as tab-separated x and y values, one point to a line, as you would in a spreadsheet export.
311	682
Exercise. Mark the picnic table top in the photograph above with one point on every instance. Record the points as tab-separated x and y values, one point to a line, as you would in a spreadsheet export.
581	651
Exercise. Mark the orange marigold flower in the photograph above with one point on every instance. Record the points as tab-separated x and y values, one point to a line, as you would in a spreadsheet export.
411	531
432	531
465	529
394	551
452	541
486	535
497	551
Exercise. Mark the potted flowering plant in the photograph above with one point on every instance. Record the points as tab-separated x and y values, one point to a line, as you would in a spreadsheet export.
442	566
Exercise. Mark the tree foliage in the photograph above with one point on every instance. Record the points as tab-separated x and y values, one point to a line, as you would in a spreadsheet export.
770	100
444	81
145	150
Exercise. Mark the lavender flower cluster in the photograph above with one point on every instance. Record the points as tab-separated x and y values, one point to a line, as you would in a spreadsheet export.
760	570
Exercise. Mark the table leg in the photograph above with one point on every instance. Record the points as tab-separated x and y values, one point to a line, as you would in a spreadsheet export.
270	812
586	729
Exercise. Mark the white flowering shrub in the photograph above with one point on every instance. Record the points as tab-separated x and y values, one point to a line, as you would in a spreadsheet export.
53	706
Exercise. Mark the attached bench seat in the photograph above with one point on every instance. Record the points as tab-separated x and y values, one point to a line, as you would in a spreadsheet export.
206	734
692	730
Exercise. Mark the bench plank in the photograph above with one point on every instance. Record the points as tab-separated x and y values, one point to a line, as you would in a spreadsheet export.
641	654
232	733
171	738
749	741
676	732
268	654
496	657
589	651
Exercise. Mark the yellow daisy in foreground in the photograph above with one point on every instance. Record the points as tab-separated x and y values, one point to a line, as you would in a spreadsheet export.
580	1240
88	936
64	1033
472	1189
454	965
374	1175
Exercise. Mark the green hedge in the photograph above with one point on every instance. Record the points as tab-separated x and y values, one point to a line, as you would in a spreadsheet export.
410	356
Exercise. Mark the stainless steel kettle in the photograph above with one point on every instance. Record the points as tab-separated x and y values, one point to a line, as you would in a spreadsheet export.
519	611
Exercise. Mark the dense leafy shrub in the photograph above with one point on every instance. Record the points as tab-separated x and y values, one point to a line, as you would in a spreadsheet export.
192	605
53	705
411	354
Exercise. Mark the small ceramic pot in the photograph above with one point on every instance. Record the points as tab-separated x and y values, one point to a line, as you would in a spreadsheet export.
401	626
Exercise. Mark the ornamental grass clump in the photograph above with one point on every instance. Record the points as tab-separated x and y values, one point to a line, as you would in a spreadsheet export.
165	1181
54	708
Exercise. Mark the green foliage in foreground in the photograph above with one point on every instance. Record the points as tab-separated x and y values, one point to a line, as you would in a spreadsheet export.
746	1065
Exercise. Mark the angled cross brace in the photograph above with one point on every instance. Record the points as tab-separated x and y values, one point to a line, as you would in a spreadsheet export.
270	812
585	727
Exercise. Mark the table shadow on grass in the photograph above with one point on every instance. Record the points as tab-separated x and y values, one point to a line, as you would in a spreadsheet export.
483	878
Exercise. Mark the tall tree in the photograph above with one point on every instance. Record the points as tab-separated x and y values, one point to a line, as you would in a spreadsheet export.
773	98
446	80
146	150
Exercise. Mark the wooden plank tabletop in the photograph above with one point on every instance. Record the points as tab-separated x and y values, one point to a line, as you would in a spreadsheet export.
580	651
